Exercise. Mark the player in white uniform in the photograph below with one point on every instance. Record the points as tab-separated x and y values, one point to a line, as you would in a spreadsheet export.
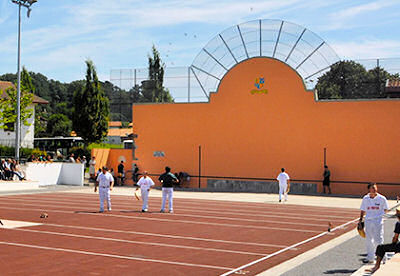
105	181
373	206
283	179
145	183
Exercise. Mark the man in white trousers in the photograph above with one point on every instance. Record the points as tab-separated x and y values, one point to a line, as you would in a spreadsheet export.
167	180
145	183
105	181
373	206
283	179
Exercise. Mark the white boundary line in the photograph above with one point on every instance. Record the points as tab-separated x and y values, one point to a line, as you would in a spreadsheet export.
166	220
138	242
286	249
218	203
68	203
113	256
164	235
317	217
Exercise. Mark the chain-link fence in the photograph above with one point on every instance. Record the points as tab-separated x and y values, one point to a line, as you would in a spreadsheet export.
184	87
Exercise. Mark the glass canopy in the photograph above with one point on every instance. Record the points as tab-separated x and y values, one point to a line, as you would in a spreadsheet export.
294	45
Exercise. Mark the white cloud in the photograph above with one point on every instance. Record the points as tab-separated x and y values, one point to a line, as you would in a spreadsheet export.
358	15
357	10
367	48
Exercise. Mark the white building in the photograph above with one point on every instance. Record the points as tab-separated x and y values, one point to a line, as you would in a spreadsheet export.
7	137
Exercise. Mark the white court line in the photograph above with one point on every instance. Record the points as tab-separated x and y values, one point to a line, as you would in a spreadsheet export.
139	242
168	220
112	255
218	203
286	249
317	216
209	202
157	235
164	235
275	214
68	203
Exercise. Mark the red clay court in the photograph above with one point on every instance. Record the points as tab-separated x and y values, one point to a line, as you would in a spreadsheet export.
202	237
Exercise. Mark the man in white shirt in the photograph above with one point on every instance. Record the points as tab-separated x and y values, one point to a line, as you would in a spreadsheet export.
373	206
284	185
145	183
105	181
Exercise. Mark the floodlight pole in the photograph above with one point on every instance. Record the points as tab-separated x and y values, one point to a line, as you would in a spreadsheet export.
27	4
18	125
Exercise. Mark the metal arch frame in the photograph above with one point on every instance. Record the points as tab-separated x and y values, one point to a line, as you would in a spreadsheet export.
327	58
216	60
295	45
244	44
277	41
202	88
229	49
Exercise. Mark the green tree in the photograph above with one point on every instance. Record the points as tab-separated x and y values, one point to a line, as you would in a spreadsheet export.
91	108
350	80
345	80
8	103
59	125
153	89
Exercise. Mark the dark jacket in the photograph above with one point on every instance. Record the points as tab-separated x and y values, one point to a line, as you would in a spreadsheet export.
168	180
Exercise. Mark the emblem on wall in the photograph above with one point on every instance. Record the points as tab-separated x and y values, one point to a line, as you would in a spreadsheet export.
259	84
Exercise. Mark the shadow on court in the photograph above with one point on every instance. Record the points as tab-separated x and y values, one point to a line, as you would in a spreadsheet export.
340	271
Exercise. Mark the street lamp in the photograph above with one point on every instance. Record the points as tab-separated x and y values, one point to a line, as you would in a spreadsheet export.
27	4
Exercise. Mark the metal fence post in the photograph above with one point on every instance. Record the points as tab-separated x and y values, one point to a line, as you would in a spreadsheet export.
188	84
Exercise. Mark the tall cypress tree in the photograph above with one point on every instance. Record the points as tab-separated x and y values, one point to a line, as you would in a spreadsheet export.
154	90
91	108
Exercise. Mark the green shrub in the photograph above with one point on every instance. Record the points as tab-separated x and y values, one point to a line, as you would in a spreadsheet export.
24	152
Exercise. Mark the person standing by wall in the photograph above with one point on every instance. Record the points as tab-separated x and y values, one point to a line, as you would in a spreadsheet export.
92	169
373	206
284	185
121	173
327	181
145	183
167	180
105	182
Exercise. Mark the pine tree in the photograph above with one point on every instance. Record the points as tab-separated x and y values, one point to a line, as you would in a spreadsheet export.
91	108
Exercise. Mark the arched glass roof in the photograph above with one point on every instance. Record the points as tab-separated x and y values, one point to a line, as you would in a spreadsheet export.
294	45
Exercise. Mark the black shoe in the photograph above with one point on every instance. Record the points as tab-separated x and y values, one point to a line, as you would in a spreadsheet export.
366	261
280	200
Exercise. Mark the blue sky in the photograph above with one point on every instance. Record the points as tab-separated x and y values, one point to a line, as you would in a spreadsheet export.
61	34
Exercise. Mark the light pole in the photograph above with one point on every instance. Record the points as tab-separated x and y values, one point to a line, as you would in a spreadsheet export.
27	4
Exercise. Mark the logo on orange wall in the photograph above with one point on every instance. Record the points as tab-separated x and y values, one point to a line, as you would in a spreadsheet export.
259	84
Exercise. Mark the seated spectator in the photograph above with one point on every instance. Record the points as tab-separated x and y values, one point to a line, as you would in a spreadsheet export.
32	158
71	158
389	247
2	170
16	170
7	169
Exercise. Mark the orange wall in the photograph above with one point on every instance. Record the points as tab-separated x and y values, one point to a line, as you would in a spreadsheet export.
254	135
111	158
